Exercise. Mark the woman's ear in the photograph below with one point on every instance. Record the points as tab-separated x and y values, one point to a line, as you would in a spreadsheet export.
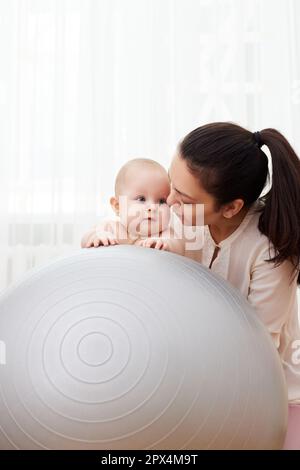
233	208
114	202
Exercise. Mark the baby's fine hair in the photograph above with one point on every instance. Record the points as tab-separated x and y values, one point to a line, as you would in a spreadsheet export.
131	163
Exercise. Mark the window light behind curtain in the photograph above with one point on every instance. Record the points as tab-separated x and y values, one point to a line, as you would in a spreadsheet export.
87	84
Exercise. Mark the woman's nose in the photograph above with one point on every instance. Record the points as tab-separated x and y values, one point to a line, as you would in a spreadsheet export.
171	199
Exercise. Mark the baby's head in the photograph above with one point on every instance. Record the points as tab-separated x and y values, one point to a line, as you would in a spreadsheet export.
141	190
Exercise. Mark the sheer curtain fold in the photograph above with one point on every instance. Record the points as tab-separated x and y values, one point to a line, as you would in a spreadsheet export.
87	84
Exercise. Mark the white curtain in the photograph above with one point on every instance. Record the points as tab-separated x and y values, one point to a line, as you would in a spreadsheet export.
87	84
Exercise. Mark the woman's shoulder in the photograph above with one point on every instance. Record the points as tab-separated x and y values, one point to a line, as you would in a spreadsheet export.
252	238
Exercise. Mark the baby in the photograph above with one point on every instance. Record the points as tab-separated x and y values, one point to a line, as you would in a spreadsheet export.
140	204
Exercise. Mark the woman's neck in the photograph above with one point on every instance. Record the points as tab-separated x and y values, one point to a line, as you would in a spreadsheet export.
222	230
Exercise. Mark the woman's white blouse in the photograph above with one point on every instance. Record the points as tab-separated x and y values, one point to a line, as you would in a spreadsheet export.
241	261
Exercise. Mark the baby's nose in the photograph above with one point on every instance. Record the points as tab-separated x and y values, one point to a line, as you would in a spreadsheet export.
152	207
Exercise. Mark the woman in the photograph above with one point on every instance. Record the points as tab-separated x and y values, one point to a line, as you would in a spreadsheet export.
253	241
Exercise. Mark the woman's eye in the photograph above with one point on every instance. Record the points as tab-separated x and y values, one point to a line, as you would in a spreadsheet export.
141	198
162	201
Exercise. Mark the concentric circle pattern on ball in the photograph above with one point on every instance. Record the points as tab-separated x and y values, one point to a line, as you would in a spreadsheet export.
132	348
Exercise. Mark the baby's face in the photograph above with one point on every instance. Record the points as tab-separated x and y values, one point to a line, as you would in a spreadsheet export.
143	208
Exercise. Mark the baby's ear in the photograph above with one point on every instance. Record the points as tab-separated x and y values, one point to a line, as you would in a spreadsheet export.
114	204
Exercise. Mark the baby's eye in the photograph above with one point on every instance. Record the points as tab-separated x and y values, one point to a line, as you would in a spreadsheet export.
141	198
162	201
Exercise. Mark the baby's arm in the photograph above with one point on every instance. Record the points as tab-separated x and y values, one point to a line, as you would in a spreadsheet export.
88	239
101	234
109	232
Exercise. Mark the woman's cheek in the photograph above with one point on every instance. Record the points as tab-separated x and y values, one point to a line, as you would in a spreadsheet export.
190	214
198	215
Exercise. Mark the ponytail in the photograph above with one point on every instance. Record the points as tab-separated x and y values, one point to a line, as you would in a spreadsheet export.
280	219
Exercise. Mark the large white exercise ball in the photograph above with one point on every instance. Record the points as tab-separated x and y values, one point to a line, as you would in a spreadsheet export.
126	347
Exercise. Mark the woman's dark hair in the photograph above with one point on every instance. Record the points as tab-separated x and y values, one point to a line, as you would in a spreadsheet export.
230	164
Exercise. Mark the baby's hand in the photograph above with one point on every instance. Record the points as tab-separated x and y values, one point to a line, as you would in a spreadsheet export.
156	243
101	239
